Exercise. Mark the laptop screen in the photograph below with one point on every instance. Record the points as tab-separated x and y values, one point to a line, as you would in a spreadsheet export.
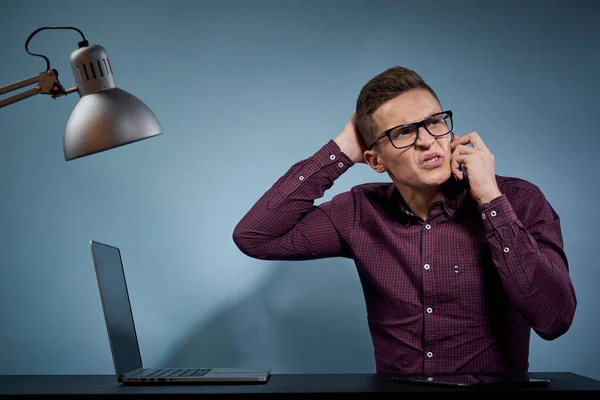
117	308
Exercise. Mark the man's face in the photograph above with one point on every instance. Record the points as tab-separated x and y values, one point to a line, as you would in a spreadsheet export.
411	166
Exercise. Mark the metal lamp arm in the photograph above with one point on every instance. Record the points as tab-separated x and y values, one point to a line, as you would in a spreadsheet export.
46	83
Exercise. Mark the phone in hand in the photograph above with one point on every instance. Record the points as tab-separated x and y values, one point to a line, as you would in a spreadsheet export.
461	166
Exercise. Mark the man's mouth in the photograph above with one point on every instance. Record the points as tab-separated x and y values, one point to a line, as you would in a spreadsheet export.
432	160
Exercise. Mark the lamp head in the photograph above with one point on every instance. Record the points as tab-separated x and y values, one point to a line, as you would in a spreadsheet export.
105	116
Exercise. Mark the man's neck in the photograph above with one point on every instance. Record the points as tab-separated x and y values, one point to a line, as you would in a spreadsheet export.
420	201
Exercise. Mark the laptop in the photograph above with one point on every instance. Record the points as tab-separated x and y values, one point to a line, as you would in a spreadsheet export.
123	337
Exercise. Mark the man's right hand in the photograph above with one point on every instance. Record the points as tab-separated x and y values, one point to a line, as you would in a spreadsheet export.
350	142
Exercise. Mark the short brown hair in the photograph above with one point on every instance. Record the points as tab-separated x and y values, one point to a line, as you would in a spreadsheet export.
383	87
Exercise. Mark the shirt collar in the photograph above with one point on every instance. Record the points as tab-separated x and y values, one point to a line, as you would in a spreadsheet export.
455	192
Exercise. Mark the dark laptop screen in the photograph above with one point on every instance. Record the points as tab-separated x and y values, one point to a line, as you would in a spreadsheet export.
117	308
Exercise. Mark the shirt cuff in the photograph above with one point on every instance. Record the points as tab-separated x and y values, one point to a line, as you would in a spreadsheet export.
332	159
497	213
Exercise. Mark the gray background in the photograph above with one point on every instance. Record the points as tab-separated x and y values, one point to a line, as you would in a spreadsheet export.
243	90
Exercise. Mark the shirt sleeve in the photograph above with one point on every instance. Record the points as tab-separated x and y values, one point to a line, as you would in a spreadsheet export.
527	248
285	223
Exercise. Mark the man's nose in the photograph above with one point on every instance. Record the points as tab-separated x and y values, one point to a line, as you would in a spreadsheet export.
424	138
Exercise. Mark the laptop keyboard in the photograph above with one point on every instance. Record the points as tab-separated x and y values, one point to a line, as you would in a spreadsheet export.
173	372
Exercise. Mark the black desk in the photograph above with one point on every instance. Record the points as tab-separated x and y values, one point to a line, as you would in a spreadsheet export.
278	386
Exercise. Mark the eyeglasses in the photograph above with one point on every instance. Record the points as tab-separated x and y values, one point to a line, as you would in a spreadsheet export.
406	135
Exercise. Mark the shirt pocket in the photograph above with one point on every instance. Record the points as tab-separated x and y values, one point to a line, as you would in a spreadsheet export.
460	288
470	287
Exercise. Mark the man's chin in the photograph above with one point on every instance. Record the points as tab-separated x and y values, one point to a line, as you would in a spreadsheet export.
435	179
427	180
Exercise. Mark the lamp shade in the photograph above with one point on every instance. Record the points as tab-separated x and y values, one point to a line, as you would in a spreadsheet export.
105	116
105	120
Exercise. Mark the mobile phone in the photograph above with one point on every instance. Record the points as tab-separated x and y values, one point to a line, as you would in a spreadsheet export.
461	166
473	380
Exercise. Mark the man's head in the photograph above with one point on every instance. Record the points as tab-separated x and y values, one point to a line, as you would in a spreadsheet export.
400	96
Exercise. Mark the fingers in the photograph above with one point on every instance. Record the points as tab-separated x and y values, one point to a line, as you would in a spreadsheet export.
462	140
463	149
455	163
471	138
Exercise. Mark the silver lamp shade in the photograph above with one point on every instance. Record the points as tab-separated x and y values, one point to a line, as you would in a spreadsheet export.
105	116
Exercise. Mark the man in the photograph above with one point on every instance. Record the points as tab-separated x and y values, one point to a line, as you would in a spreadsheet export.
457	264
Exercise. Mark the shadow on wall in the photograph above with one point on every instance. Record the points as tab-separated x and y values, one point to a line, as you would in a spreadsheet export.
307	317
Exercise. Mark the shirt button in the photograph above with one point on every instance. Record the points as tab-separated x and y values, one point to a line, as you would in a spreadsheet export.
301	177
429	354
483	216
430	378
341	165
426	266
332	157
429	310
427	226
493	213
506	250
456	269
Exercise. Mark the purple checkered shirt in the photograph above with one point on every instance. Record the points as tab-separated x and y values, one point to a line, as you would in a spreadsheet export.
459	292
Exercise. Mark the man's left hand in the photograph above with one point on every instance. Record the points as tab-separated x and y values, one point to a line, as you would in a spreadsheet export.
478	163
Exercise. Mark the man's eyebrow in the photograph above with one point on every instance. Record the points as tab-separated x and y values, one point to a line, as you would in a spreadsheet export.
422	119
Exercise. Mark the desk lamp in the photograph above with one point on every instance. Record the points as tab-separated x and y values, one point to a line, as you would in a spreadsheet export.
105	116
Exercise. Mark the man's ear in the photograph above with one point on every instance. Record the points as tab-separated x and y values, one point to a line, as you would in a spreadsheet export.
372	158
